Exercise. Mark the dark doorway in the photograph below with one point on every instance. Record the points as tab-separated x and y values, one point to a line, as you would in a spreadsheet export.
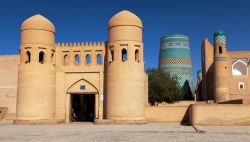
82	107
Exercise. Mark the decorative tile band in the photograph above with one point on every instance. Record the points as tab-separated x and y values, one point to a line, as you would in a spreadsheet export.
175	52
178	70
176	66
220	40
220	58
175	44
177	37
175	60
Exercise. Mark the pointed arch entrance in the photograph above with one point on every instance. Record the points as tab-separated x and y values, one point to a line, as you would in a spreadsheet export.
239	68
82	102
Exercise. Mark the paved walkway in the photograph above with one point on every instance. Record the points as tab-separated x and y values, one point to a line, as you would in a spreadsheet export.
223	129
88	132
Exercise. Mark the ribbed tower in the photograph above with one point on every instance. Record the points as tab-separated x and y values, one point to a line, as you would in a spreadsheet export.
36	76
221	68
125	68
175	58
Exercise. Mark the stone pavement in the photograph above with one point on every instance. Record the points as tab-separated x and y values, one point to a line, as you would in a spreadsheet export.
153	132
223	129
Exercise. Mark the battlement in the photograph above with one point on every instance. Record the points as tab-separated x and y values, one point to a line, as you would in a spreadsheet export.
9	55
9	58
82	44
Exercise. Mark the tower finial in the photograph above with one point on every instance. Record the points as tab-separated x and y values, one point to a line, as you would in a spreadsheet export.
219	37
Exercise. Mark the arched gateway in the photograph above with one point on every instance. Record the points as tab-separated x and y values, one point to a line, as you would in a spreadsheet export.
67	82
81	101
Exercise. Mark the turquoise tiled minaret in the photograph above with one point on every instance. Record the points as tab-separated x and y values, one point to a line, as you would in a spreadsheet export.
175	58
221	68
219	37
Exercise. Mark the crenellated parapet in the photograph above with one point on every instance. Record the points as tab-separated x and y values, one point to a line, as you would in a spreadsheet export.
9	55
80	44
9	58
80	53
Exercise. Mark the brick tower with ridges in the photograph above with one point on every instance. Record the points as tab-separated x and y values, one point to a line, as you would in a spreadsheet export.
221	68
36	79
125	94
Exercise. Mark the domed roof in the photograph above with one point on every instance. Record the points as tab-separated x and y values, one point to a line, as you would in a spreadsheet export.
125	18
219	33
38	22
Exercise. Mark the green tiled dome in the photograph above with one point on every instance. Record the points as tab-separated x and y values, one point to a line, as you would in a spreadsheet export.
219	33
220	37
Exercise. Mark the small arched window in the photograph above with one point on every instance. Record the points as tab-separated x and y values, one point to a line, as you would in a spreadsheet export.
77	59
112	54
241	86
220	50
99	59
124	55
88	59
65	59
27	57
137	55
41	57
52	58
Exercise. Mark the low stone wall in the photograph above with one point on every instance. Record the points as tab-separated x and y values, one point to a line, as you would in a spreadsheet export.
169	114
219	114
8	84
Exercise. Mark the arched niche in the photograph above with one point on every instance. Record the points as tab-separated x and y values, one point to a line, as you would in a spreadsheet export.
239	68
77	59
88	59
124	55
27	57
137	55
41	57
65	59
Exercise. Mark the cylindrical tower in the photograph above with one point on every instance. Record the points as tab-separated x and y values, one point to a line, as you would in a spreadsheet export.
125	68
36	75
175	58
221	68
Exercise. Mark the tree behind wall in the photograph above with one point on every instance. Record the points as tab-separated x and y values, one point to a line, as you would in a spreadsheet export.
187	92
163	87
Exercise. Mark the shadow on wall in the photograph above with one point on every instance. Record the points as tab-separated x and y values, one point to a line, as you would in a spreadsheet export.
239	101
185	119
187	92
3	111
209	84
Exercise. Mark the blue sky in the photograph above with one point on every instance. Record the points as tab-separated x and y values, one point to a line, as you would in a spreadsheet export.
80	20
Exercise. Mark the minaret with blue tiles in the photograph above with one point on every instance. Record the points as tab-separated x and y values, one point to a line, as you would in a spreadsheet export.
221	68
175	58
